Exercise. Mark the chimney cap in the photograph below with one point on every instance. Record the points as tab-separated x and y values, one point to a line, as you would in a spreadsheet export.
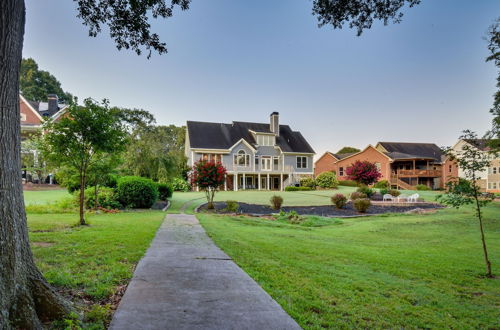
275	113
52	96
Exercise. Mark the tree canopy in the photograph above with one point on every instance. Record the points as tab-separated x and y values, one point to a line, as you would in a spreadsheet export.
493	38
35	84
347	150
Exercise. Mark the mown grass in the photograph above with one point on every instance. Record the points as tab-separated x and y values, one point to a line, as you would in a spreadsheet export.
44	196
392	271
89	263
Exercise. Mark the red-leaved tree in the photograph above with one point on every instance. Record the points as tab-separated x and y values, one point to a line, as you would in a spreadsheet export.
209	177
363	172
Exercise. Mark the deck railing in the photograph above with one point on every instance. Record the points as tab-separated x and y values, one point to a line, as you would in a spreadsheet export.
417	173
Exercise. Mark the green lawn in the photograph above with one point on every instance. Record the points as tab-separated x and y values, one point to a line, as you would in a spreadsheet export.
397	271
291	198
44	196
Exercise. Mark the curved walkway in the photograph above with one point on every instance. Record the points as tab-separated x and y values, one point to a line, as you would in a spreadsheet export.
186	282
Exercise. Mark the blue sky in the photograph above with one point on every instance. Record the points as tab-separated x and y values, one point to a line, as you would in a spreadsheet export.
423	80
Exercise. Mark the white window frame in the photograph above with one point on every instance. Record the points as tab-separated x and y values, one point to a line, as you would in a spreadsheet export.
297	162
241	154
266	163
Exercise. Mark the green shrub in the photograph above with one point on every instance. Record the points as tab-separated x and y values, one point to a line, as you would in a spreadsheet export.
366	190
137	192
357	195
293	188
348	183
422	187
232	206
362	204
179	184
339	200
276	202
106	198
393	192
327	180
165	191
382	184
308	182
291	217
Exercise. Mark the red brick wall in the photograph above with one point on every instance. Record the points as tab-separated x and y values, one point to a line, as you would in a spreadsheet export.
27	114
450	172
324	164
370	154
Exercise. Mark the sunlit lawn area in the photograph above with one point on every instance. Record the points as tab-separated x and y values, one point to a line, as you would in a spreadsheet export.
44	196
397	271
90	262
291	198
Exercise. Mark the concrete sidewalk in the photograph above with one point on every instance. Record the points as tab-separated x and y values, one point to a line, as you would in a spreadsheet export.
186	282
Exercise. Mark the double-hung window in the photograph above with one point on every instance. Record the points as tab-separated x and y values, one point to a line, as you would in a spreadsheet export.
242	158
341	171
301	162
266	163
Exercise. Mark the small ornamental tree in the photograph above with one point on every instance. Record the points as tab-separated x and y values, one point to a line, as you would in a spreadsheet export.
209	177
465	191
363	172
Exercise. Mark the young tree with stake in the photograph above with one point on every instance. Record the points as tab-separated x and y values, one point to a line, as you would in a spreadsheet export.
80	139
466	191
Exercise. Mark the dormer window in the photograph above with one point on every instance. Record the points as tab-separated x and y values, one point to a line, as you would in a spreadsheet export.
242	158
265	140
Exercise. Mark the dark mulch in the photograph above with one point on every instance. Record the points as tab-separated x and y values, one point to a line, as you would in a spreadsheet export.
159	205
323	210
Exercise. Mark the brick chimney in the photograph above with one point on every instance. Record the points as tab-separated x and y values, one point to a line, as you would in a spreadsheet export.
275	123
53	103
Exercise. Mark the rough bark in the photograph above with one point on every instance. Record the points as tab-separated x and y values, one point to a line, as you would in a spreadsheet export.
26	299
82	197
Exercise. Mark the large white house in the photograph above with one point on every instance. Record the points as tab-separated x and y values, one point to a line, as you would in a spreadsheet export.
263	156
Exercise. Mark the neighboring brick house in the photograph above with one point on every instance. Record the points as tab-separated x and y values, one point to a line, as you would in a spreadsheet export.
256	155
404	165
33	114
489	179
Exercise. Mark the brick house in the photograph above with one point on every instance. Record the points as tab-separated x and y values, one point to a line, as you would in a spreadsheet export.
33	114
260	156
403	164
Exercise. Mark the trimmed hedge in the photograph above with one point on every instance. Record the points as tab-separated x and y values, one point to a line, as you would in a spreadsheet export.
362	204
382	184
348	183
339	200
308	182
137	192
422	187
165	191
366	190
106	198
327	180
293	188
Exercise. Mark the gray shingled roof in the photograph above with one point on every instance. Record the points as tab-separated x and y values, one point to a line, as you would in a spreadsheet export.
481	144
342	156
407	150
223	136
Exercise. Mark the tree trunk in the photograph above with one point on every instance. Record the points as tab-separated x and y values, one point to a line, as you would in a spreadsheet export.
82	198
26	300
489	273
96	195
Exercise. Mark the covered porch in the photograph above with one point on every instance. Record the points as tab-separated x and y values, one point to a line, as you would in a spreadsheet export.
256	181
407	173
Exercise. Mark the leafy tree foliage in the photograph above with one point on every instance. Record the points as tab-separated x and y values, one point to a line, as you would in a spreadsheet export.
209	177
35	84
493	38
347	150
156	152
82	138
360	14
363	172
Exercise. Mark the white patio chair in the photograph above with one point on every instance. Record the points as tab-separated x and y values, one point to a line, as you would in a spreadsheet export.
402	198
387	197
413	198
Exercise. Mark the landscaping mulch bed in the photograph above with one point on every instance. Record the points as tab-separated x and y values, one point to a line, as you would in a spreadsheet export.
325	210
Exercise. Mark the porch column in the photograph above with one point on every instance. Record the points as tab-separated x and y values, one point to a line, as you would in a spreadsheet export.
235	182
259	181
244	182
225	182
267	183
414	167
281	181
